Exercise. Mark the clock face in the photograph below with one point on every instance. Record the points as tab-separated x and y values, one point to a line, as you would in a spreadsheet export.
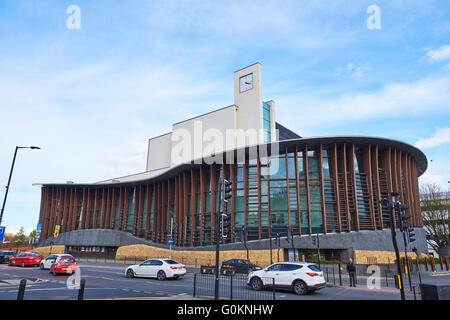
246	83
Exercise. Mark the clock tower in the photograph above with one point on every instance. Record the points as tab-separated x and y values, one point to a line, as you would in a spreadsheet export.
251	115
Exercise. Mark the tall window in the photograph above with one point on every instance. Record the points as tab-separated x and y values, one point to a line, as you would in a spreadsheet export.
303	192
132	197
329	194
315	196
239	215
266	122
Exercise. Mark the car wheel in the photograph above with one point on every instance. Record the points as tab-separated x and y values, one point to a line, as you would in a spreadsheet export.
41	266
130	273
161	275
300	287
256	284
23	264
9	263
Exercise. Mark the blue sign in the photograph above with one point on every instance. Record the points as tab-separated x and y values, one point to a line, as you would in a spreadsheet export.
2	233
170	241
38	232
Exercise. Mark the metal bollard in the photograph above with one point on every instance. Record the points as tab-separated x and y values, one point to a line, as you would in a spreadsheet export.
273	288
387	283
340	275
414	291
195	284
21	292
231	287
334	279
81	290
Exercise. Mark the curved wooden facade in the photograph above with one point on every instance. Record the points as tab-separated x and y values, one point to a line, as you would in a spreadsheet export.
322	185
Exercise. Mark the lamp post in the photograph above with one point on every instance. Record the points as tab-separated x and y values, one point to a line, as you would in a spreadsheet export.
9	179
171	234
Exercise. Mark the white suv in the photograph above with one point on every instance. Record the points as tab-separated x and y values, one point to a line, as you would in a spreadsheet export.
301	277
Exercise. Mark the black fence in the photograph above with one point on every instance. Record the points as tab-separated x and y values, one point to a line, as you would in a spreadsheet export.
380	274
233	287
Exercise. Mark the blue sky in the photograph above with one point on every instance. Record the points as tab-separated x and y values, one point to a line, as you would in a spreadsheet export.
92	97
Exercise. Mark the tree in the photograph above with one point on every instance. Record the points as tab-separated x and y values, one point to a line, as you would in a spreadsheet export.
31	237
20	238
435	206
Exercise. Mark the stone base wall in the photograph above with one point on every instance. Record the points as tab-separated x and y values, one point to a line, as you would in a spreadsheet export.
45	251
143	252
380	257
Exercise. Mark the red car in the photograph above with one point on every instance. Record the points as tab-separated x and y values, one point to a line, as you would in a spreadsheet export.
64	264
26	259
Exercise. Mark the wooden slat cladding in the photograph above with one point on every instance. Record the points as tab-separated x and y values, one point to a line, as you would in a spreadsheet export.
344	199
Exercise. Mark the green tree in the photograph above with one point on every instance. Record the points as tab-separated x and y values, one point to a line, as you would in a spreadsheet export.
31	237
435	206
20	238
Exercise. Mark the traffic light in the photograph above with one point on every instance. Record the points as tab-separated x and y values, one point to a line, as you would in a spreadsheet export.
399	208
411	235
227	190
225	221
242	235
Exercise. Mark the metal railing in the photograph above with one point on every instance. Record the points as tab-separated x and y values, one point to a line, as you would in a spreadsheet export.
232	287
387	277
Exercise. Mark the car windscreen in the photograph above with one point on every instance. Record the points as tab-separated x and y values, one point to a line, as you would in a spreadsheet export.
68	260
314	268
34	255
170	262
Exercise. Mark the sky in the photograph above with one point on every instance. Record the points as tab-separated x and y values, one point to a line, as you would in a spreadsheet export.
90	86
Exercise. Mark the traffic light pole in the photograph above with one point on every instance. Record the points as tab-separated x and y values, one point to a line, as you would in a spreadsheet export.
218	214
318	249
397	254
406	260
278	247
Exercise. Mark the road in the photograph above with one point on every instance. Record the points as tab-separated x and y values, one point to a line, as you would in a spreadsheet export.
108	281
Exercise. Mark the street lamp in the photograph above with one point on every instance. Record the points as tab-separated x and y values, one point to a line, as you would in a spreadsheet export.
9	179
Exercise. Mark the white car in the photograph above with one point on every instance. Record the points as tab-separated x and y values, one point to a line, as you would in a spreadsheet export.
159	268
47	262
301	277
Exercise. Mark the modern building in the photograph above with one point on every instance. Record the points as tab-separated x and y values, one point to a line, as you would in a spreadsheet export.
323	185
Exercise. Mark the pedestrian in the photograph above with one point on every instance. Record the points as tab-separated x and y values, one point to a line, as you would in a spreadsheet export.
351	269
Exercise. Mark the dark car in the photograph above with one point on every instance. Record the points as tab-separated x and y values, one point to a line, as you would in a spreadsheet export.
5	255
241	266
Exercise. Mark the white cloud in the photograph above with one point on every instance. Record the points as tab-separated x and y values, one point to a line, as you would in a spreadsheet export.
352	70
441	136
441	54
435	178
395	99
